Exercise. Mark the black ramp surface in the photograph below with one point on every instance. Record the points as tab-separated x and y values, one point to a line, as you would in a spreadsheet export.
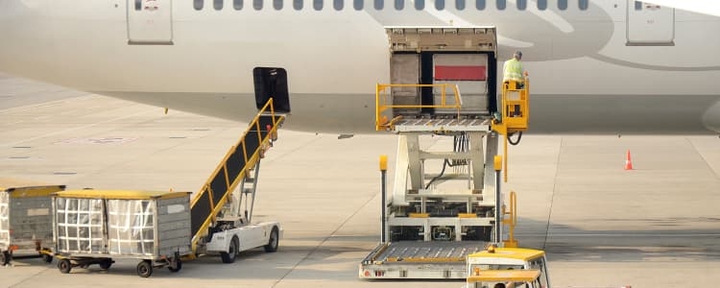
219	185
199	212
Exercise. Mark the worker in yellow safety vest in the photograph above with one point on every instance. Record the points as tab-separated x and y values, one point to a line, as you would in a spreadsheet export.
513	70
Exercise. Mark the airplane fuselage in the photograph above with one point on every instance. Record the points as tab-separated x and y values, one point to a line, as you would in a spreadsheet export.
595	66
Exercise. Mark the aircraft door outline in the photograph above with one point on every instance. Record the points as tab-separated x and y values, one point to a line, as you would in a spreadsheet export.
649	24
149	22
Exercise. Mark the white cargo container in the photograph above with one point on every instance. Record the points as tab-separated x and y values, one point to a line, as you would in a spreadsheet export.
25	218
95	226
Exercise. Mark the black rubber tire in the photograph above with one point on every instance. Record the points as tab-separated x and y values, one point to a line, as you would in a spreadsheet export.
4	258
144	269
274	240
231	255
179	267
47	258
64	266
105	263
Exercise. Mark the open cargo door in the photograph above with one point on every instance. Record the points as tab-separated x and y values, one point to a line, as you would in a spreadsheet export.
436	55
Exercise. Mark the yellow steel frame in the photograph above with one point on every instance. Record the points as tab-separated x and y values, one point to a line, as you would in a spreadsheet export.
250	161
511	122
120	194
382	99
515	122
33	191
524	254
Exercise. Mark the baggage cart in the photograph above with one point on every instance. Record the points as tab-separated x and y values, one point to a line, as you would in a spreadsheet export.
97	226
25	218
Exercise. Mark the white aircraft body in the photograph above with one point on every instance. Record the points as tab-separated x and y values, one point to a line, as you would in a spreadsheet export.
595	66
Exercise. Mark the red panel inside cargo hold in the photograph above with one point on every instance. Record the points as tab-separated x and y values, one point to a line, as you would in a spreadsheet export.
460	73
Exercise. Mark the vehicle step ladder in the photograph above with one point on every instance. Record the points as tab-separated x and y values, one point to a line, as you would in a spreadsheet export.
233	170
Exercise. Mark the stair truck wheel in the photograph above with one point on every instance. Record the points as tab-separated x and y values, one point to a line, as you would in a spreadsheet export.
230	256
272	245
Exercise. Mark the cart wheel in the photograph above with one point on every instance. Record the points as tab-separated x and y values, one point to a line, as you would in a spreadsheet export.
105	263
4	258
272	245
47	258
64	266
178	266
144	268
230	256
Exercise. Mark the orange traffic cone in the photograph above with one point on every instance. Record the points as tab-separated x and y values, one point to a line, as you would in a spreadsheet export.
628	161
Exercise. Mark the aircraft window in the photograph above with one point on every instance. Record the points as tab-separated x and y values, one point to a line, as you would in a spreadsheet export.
439	4
522	4
298	4
562	4
501	4
638	5
257	4
338	4
198	4
584	4
238	4
218	4
379	4
278	4
358	4
460	4
480	4
399	4
542	4
317	5
419	4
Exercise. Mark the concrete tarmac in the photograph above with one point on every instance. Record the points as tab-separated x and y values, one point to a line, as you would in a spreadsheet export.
657	225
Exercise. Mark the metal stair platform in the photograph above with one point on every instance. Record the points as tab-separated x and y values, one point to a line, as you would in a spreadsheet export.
441	124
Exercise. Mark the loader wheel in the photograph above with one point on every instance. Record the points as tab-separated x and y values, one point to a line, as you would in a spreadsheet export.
272	245
230	256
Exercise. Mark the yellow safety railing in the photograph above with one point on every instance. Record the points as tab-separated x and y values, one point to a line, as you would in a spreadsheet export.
516	106
249	160
382	99
515	109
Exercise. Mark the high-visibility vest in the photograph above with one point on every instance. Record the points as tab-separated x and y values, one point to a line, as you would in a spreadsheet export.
512	70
